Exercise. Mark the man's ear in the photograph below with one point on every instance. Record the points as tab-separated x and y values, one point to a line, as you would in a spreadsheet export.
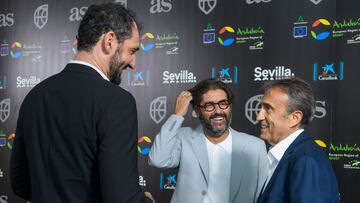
295	118
109	42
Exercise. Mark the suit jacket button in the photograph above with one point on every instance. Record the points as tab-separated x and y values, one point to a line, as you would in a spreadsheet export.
203	192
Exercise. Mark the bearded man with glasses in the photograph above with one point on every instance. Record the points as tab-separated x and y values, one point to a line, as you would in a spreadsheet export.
216	163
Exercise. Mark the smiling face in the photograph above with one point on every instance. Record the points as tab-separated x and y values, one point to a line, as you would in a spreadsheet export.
275	121
124	57
216	122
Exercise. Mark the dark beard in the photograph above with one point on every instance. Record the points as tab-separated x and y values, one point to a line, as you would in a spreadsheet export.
210	130
116	67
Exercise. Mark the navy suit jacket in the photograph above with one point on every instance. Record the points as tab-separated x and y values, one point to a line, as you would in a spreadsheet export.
304	174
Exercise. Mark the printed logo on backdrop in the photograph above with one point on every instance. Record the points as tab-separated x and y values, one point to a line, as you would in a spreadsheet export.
144	141
32	49
142	181
206	6
41	16
67	45
4	109
122	2
225	74
184	76
30	81
277	73
1	173
77	13
331	71
150	41
251	37
159	6
3	83
253	105
4	48
347	154
3	199
322	29
316	2
167	182
6	140
257	1
7	19
252	108
158	109
138	78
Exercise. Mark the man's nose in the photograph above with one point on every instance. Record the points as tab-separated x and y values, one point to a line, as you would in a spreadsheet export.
260	116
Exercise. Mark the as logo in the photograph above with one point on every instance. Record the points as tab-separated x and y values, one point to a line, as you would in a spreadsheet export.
229	41
76	14
147	37
159	6
6	20
321	35
144	150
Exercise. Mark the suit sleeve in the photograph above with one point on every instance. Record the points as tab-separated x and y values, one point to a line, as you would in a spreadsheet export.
117	152
309	182
166	150
19	165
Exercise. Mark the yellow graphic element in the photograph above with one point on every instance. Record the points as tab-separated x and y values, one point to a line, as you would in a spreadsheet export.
321	143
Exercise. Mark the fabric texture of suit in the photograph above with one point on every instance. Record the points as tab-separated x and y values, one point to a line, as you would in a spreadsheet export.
304	174
184	147
76	141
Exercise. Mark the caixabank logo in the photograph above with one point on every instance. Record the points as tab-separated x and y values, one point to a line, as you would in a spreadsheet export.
227	74
227	35
138	78
328	71
323	28
167	181
168	42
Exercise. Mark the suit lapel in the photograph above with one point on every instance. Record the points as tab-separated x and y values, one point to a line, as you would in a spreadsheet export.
199	147
301	138
237	169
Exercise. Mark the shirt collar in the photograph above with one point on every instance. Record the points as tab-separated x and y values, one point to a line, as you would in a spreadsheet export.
225	144
277	151
90	65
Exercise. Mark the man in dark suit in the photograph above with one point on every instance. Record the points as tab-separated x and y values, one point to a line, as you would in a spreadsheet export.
76	134
299	170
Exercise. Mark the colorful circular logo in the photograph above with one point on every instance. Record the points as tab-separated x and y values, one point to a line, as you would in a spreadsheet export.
10	140
74	46
15	50
228	41
146	150
322	35
145	36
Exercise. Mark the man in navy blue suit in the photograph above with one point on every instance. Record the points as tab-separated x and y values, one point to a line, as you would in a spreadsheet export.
299	170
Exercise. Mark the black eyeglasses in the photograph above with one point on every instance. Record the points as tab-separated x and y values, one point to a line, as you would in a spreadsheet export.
210	106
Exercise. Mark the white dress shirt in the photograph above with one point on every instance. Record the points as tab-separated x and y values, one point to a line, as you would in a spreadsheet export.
277	151
88	64
219	171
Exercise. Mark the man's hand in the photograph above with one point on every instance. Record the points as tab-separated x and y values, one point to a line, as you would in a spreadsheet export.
148	195
182	103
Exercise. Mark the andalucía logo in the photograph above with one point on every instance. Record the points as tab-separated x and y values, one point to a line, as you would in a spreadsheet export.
228	41
16	50
144	150
147	37
321	35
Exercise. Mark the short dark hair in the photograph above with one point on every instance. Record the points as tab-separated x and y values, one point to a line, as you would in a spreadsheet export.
205	85
301	96
103	18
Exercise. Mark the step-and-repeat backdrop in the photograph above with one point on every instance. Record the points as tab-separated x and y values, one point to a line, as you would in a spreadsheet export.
243	42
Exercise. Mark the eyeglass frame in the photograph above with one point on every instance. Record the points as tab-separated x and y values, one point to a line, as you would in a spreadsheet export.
228	104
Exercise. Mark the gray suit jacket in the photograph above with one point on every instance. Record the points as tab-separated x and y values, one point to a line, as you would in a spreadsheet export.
184	147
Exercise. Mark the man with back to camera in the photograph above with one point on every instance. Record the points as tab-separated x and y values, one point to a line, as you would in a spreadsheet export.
216	163
299	170
76	134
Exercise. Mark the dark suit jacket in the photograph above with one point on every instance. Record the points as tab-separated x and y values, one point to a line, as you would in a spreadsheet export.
76	141
304	174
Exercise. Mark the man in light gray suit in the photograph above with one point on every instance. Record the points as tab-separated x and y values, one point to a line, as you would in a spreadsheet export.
216	163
